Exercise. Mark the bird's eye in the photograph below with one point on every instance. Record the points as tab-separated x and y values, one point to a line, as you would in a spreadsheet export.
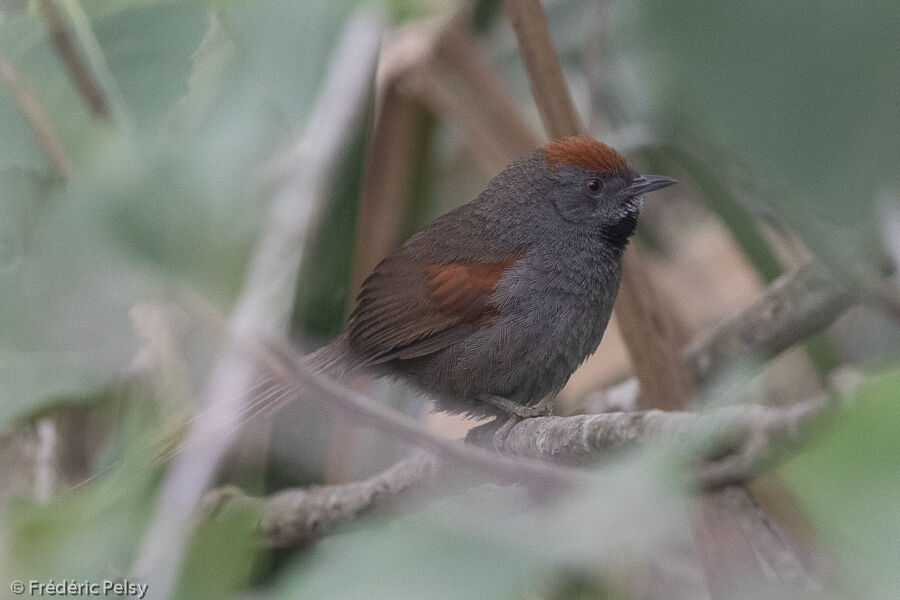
593	186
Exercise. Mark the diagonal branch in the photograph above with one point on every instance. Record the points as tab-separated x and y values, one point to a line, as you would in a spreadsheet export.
79	72
795	306
802	302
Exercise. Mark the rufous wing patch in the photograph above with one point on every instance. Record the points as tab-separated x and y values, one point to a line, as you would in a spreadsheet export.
462	290
407	309
584	152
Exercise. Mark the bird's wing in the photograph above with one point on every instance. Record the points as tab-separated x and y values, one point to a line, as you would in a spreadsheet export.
410	306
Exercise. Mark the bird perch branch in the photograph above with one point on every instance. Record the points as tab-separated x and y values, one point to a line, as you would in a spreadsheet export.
744	438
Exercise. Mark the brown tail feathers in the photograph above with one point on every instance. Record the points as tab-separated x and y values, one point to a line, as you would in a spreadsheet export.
331	358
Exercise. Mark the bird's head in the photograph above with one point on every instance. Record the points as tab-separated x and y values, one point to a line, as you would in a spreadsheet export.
594	187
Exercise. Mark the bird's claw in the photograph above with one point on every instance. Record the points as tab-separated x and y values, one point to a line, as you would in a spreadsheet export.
499	437
514	409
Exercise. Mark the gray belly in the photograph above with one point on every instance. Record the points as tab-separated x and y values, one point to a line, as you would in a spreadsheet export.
524	358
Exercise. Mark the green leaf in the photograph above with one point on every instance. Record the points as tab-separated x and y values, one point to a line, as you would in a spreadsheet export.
411	559
849	482
222	556
65	326
284	47
148	50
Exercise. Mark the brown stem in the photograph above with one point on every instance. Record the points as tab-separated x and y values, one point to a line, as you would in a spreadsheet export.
742	549
37	119
649	331
79	72
653	338
544	72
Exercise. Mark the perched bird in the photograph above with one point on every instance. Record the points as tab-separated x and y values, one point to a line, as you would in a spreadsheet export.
492	307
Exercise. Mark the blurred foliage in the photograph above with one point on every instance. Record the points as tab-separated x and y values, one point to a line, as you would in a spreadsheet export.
165	201
575	585
224	557
849	482
90	531
130	40
89	534
804	93
493	542
485	14
722	199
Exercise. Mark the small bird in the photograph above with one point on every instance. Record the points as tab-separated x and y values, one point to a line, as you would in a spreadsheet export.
492	307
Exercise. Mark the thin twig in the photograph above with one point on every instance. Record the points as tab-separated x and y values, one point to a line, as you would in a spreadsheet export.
295	515
81	75
265	303
84	33
40	125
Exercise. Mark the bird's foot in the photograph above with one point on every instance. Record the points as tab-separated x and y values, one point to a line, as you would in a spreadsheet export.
521	411
516	413
499	437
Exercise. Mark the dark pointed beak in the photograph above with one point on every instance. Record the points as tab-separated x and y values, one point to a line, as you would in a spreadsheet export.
648	183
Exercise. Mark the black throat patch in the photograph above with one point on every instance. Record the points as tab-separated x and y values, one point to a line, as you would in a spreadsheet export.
617	234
